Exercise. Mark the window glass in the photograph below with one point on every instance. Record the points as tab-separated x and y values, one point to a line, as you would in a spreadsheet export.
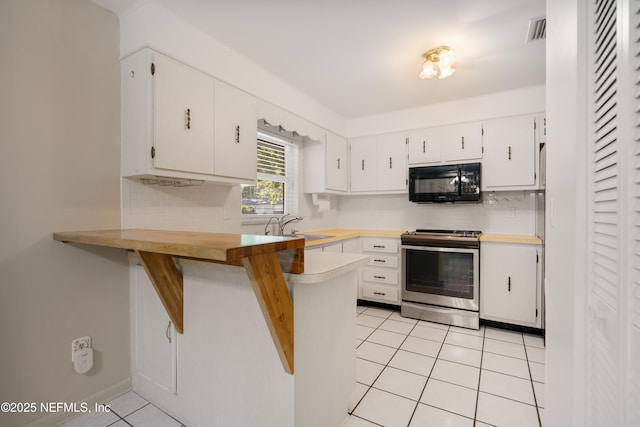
273	193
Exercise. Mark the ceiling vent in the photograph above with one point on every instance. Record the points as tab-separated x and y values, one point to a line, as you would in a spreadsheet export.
537	29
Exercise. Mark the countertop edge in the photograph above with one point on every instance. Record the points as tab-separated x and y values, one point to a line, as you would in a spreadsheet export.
323	266
340	234
511	238
319	266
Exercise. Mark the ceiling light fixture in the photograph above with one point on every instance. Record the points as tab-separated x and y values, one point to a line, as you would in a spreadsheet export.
439	59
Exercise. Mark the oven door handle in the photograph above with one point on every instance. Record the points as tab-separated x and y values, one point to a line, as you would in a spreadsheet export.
474	251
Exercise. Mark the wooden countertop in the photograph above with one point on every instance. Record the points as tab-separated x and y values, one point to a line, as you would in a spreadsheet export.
511	238
258	255
338	234
220	247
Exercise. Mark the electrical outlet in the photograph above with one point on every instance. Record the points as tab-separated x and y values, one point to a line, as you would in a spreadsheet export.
78	344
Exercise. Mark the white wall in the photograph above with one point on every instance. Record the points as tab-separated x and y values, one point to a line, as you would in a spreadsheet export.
566	213
59	156
149	24
515	102
216	208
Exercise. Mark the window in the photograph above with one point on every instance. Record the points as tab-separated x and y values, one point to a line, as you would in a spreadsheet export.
275	192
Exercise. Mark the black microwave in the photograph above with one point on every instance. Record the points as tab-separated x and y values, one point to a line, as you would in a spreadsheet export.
445	183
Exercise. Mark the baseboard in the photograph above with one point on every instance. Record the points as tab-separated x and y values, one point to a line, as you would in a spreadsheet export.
54	419
367	303
511	327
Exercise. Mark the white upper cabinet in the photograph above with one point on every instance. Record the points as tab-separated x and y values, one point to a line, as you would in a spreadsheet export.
425	146
510	154
236	130
541	128
392	162
326	165
379	163
336	163
462	142
183	117
181	123
363	163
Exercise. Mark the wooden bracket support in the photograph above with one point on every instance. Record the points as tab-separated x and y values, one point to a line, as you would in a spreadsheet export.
267	281
262	256
167	280
275	301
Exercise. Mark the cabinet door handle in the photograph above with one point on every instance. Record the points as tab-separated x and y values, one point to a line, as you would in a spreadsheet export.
338	163
237	134
463	142
188	118
509	152
390	162
509	286
362	164
168	332
424	146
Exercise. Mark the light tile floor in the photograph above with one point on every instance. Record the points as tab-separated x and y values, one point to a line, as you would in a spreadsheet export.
129	409
412	374
419	374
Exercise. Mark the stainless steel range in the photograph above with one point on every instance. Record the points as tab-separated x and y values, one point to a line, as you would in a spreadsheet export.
441	276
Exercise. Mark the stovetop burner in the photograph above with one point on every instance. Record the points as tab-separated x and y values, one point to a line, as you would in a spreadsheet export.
455	233
443	238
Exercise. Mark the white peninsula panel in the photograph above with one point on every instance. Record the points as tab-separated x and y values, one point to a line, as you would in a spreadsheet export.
228	370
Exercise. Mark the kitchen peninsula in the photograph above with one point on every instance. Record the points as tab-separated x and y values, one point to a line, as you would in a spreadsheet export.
229	301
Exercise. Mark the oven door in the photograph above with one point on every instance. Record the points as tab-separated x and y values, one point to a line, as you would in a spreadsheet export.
447	277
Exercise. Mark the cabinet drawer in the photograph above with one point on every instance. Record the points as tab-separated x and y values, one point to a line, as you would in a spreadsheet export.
380	245
380	276
380	293
384	260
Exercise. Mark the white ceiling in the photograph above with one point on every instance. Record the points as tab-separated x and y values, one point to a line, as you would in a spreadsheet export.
362	57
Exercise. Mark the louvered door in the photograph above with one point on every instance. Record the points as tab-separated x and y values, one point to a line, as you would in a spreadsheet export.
613	348
632	65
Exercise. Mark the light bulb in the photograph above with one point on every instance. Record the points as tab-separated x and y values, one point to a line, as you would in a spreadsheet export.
447	58
428	70
445	71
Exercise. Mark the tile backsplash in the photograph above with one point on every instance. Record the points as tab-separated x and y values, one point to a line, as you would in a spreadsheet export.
196	208
209	207
216	208
511	212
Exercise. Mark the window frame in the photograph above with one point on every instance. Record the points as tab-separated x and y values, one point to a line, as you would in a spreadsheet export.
290	179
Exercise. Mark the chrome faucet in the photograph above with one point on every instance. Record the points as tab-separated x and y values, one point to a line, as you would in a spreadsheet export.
282	223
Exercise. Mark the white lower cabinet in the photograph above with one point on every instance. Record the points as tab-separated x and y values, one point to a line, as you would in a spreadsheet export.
335	247
154	342
510	283
332	247
351	246
380	280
